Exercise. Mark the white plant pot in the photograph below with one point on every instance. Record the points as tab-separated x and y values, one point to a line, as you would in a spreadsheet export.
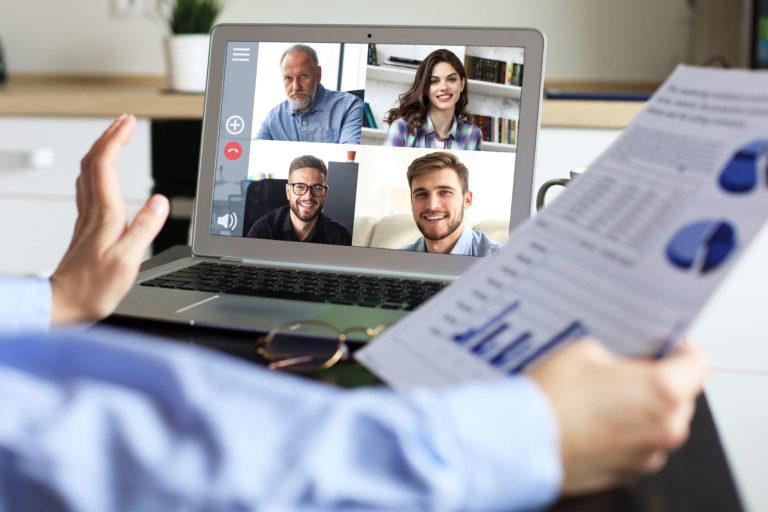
187	59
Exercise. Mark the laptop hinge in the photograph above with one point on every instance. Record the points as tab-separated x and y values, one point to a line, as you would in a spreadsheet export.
230	259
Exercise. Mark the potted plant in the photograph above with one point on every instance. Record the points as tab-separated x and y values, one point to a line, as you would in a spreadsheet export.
190	23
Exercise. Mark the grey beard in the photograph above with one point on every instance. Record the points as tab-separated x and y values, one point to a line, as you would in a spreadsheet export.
302	104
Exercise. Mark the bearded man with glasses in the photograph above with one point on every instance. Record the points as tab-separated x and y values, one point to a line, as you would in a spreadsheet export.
302	220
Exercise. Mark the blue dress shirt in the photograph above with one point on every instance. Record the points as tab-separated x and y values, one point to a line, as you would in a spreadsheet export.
470	243
110	421
333	116
25	304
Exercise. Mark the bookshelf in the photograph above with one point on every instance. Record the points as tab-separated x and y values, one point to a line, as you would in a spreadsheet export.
400	78
405	76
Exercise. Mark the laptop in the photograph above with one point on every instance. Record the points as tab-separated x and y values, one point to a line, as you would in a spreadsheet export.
252	135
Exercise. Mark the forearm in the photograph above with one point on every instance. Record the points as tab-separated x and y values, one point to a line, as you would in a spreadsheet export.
180	427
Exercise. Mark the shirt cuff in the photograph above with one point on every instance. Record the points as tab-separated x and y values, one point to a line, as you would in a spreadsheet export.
512	446
25	305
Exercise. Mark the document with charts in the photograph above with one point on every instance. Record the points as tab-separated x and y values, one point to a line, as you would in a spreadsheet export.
628	254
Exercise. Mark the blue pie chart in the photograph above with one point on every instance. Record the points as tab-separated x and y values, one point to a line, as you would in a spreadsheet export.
746	169
702	246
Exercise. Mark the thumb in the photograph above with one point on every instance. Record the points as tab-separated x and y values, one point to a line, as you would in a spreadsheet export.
685	370
144	228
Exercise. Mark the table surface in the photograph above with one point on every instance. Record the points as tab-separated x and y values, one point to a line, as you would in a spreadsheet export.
696	477
148	96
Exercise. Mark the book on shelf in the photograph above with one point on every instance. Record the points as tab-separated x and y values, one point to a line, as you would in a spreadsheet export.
368	120
373	59
401	63
497	129
491	70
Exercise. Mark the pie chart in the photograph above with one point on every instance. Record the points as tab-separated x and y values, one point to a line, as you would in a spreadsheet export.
746	169
702	246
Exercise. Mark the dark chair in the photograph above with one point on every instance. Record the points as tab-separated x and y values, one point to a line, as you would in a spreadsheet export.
261	197
360	93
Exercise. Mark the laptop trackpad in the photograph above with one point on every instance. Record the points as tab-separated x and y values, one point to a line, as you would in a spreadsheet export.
256	312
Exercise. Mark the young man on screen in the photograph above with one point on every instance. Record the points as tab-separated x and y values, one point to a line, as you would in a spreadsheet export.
440	194
303	220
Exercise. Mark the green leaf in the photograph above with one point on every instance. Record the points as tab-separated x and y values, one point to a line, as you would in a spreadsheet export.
194	16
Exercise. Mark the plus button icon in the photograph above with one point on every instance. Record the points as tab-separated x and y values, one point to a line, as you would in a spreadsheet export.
235	125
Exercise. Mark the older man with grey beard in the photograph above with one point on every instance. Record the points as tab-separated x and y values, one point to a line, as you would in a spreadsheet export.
311	113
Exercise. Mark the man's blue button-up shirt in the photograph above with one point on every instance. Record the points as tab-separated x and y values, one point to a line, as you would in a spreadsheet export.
470	243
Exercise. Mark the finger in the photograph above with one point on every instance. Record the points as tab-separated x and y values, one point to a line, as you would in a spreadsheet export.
81	213
99	166
649	462
144	228
79	195
683	373
105	181
106	133
96	146
676	428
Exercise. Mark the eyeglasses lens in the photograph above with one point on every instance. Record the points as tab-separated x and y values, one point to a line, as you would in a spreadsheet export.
304	347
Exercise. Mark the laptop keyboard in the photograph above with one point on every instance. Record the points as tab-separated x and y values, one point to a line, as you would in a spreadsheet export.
350	289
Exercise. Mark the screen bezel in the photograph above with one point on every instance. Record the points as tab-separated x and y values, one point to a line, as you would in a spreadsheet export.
376	259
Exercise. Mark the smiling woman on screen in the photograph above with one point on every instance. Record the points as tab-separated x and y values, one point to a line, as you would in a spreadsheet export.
433	112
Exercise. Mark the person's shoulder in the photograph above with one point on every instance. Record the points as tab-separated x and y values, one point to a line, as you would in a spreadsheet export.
280	109
344	97
483	244
399	122
397	133
468	126
266	225
338	234
417	246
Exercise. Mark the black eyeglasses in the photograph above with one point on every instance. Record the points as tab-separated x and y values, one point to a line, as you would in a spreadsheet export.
309	345
301	188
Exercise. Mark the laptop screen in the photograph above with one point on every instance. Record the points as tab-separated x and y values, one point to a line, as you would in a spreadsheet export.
407	147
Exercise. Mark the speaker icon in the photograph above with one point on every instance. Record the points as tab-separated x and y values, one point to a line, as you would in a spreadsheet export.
228	220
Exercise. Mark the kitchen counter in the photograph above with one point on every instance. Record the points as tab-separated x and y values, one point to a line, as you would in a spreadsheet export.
147	96
57	95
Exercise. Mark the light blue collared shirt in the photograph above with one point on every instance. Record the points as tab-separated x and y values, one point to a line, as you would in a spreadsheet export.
470	243
333	116
25	304
110	421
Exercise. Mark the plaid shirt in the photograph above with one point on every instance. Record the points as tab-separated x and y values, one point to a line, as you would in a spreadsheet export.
463	135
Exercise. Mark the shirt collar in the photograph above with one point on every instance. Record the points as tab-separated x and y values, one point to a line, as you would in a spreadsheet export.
429	127
464	242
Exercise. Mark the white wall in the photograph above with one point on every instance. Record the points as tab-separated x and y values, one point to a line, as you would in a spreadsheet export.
588	39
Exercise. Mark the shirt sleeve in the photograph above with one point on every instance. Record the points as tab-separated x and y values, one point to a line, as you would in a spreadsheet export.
477	138
25	304
261	228
108	421
351	128
265	133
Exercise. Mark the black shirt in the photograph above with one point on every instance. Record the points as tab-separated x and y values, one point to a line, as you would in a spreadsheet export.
276	225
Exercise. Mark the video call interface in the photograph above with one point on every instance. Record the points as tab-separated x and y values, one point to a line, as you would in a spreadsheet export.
402	147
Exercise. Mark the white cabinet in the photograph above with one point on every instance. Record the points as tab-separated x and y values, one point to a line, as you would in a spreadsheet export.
39	162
